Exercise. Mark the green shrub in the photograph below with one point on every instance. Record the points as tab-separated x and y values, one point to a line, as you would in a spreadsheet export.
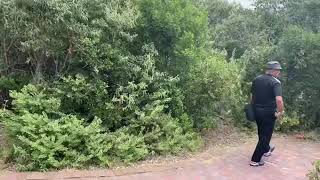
118	103
164	134
128	147
44	137
288	123
8	83
298	48
213	88
315	173
85	97
174	139
179	31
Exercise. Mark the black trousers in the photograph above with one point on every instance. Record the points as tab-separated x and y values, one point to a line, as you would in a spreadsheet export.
265	121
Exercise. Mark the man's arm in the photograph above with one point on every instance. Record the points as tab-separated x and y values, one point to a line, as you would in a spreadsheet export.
280	107
279	100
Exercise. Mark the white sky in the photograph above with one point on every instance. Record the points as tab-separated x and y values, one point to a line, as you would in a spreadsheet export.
244	3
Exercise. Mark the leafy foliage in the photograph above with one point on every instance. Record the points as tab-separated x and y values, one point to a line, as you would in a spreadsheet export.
212	85
299	50
118	80
315	173
44	137
179	31
289	123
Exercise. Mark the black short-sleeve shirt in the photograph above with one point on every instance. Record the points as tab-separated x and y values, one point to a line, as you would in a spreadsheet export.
264	89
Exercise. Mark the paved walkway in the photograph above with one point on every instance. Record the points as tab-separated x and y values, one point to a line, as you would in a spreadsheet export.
291	161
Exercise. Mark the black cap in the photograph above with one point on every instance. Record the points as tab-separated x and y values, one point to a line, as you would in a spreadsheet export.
274	65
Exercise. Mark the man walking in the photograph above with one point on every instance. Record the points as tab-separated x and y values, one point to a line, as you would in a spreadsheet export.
268	106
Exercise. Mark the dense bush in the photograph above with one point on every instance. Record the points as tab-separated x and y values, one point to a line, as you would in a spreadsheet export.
299	50
100	96
118	80
289	123
213	88
43	137
179	31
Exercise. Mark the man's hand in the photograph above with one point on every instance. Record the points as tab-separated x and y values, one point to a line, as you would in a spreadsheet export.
279	115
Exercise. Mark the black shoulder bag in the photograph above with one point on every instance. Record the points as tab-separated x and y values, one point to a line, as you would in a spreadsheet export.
249	110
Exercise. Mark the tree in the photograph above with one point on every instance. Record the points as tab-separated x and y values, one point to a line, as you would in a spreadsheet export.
299	52
179	31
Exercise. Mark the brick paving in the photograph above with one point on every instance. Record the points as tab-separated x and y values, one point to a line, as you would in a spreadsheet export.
291	160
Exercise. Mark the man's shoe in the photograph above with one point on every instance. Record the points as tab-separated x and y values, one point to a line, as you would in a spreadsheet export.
256	164
267	154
